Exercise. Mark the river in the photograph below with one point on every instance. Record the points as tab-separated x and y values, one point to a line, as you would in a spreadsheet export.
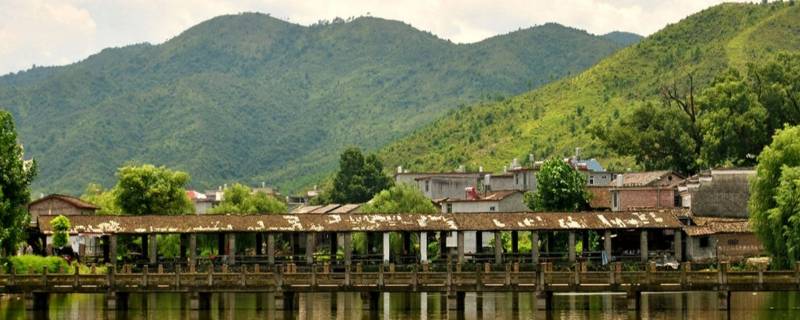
744	305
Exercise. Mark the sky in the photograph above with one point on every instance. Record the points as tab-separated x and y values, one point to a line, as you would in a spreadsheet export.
59	32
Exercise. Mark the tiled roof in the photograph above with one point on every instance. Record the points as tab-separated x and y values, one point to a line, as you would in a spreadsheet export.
489	196
75	202
368	222
709	226
641	179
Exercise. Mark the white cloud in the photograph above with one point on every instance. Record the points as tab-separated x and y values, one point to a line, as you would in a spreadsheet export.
48	32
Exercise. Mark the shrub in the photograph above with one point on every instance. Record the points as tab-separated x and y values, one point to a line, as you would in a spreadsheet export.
29	264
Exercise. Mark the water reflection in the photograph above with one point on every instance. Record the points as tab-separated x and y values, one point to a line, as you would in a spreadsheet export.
427	306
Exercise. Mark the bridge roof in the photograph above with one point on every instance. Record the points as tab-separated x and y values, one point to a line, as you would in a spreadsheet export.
663	219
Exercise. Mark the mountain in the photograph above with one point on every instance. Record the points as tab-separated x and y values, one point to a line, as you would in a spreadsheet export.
252	98
553	120
623	38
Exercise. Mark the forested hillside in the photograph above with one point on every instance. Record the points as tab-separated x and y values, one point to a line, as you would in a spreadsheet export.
556	118
251	98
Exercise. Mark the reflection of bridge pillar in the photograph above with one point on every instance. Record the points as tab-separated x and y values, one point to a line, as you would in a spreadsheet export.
634	299
116	301
724	298
373	302
288	301
544	300
423	305
37	301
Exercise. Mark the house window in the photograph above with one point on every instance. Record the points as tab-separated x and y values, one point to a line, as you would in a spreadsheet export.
427	185
704	242
678	201
516	179
449	208
491	209
615	200
525	180
733	242
591	181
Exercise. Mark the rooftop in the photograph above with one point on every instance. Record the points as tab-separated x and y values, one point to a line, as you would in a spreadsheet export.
74	201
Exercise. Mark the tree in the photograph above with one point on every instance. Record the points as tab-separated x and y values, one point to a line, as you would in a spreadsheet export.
657	137
148	189
733	123
358	178
60	227
241	199
774	197
776	82
105	199
16	176
559	187
400	198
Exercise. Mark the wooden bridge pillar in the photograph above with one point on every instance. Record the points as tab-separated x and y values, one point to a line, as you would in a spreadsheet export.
230	248
152	251
460	243
677	245
112	249
643	247
271	248
443	244
607	244
571	245
498	247
192	254
348	248
386	246
423	247
535	247
311	241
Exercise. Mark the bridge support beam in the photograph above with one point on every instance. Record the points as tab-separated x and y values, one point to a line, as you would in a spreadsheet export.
423	247
535	247
571	245
643	247
498	247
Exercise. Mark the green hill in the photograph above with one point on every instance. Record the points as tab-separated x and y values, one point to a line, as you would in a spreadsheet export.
251	98
553	120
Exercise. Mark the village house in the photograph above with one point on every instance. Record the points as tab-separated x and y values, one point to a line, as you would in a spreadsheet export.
638	190
69	206
718	226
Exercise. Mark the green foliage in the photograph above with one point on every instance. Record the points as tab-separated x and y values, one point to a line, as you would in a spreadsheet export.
28	264
359	178
656	137
148	189
559	187
241	199
169	245
774	197
60	227
540	122
243	97
106	199
400	198
15	178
